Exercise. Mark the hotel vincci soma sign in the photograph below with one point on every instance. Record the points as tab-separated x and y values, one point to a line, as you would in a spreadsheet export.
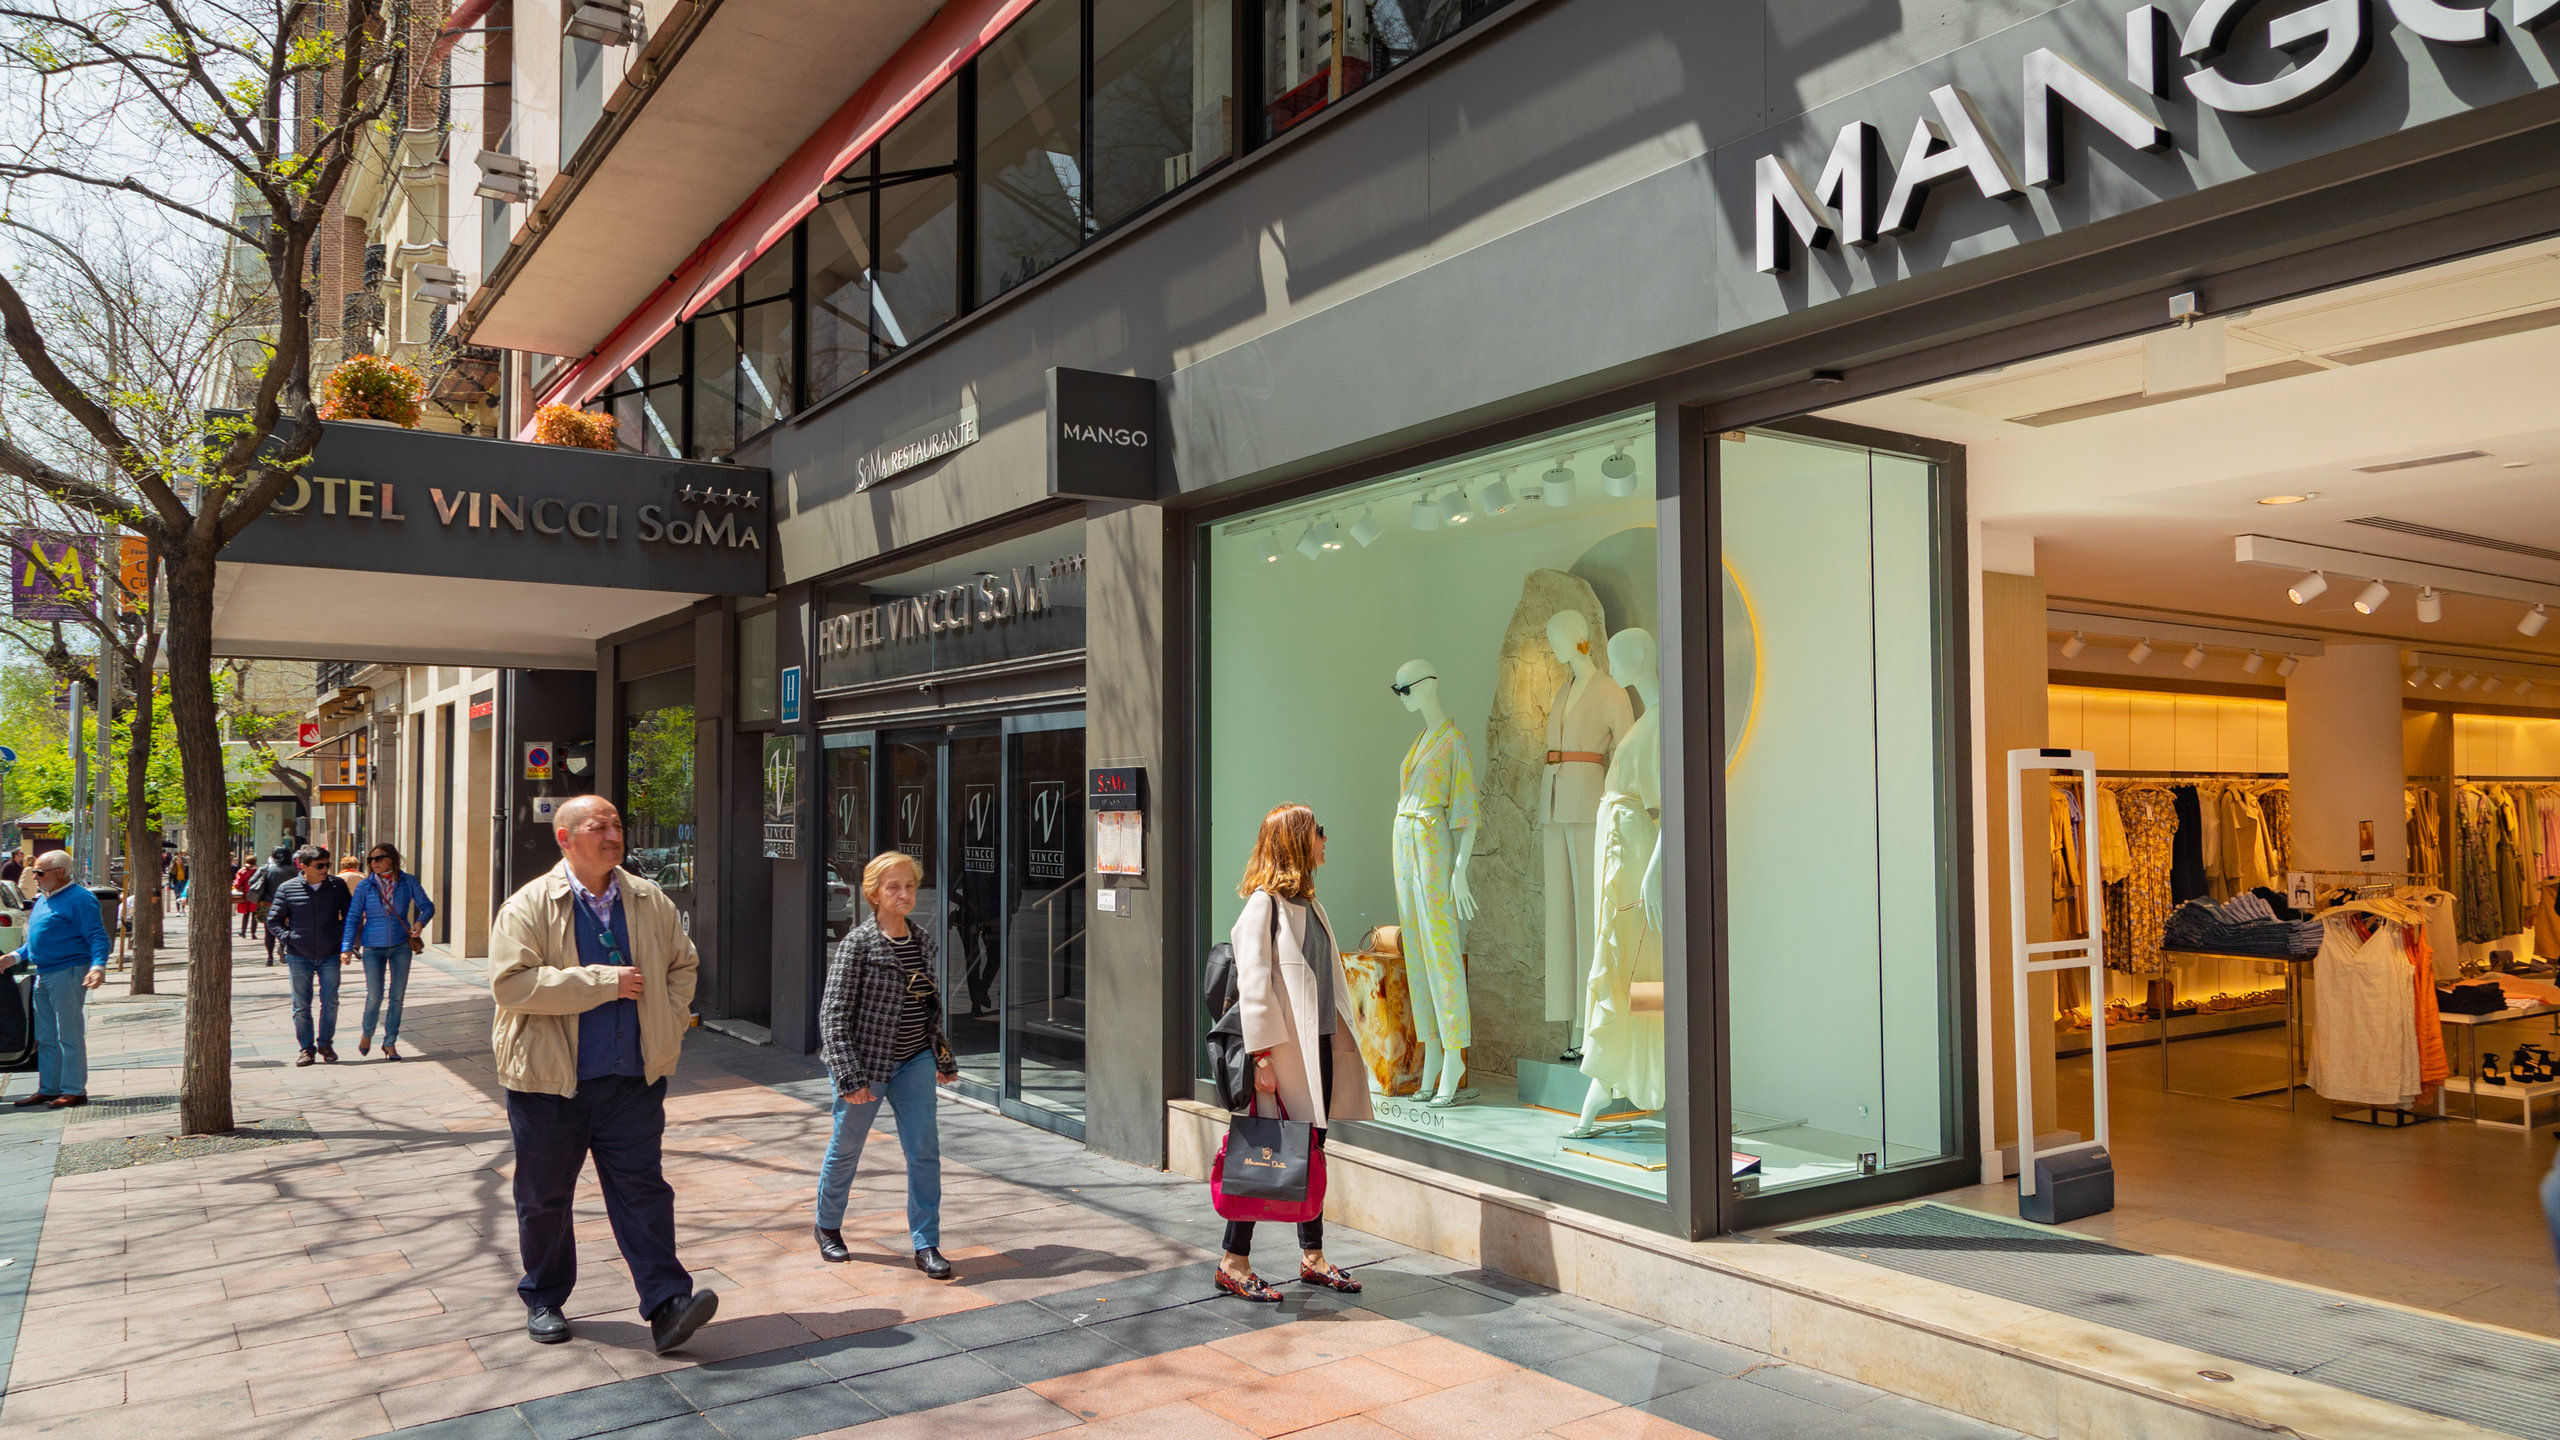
2098	108
414	502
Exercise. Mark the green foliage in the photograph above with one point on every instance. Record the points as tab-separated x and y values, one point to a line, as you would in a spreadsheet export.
661	761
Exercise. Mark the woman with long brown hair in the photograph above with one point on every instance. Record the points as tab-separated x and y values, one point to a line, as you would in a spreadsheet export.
1295	1007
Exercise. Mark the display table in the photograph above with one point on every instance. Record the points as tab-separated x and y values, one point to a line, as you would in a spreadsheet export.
2295	1050
2466	1077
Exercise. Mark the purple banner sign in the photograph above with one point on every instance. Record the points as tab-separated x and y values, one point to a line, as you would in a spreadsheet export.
53	576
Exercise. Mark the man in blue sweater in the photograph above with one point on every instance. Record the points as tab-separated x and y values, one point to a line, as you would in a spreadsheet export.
67	943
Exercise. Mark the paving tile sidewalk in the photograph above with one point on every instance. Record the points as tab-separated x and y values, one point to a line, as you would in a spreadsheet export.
362	1282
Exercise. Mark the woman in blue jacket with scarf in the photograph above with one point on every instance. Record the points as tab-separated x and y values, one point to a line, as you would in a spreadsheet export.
389	915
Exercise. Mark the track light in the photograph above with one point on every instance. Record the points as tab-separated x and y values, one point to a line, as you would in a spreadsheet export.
1270	547
1618	474
1311	546
2255	663
1454	509
2443	678
1425	514
2490	685
2285	665
1366	529
2418	677
2430	605
2371	598
2469	682
2533	621
1497	498
2308	588
2072	647
2524	684
2194	658
2140	652
1556	486
1328	534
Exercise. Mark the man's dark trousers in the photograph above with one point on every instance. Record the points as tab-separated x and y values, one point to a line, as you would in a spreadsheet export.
621	1121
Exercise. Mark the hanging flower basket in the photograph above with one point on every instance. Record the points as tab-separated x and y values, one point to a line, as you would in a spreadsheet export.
368	387
578	429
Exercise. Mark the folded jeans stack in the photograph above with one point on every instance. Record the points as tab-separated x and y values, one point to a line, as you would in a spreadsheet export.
2243	925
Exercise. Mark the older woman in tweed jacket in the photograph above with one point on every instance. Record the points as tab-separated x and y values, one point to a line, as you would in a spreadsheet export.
880	1034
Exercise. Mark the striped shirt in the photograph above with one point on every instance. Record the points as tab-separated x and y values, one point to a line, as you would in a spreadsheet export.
915	1014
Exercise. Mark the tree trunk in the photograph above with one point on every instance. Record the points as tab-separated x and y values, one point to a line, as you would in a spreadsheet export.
204	1088
141	843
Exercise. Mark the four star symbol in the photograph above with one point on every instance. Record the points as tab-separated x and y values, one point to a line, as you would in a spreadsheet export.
705	495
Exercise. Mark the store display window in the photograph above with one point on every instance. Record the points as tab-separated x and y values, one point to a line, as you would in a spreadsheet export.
1458	670
1839	839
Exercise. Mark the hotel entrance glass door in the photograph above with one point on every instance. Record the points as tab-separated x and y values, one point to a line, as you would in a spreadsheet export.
994	813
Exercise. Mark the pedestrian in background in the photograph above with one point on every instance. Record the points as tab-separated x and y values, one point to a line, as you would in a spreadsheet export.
277	870
240	901
13	867
1296	1009
312	908
593	976
383	926
178	881
67	943
880	1033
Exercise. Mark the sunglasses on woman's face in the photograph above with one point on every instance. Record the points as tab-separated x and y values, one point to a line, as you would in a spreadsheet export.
1319	832
1407	689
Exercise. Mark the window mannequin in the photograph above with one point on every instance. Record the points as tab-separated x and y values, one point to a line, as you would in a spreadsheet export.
1623	1047
1588	719
1435	837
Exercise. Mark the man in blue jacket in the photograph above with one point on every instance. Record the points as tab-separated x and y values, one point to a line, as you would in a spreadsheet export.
67	943
311	909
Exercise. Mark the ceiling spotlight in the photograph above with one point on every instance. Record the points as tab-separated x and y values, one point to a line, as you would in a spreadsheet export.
2524	684
2255	663
2469	682
2371	597
1454	509
2282	499
2140	652
2285	665
2443	678
1328	534
2072	647
2533	621
2194	658
1425	514
1497	498
2430	605
2308	588
2515	465
1366	529
2490	685
2418	676
1270	547
1558	485
1311	544
1618	474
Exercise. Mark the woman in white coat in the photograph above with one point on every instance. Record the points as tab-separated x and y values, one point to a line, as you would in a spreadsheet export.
1296	1005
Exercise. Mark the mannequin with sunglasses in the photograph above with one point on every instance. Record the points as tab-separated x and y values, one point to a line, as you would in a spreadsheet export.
1435	837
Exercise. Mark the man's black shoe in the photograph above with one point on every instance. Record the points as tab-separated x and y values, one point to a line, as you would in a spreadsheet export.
676	1320
329	1053
546	1325
930	1261
831	1245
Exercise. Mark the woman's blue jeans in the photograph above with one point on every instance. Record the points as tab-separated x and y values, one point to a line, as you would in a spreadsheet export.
386	968
911	1099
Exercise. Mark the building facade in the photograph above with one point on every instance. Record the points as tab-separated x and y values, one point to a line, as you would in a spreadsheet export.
1484	468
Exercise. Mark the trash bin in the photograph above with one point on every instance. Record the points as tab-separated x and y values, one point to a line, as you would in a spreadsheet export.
109	902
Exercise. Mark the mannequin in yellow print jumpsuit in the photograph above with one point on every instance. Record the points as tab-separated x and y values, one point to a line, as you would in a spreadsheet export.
1435	836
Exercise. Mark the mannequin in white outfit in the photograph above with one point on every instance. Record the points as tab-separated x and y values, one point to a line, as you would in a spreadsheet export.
1435	837
1588	718
1626	1054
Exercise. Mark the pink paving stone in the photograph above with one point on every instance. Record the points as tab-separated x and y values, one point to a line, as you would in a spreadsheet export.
71	1397
1144	1384
1009	1415
491	1389
1503	1407
1279	1404
1626	1424
290	1359
183	1418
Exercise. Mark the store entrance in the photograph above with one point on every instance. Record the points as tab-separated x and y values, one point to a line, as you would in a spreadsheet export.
993	811
2284	573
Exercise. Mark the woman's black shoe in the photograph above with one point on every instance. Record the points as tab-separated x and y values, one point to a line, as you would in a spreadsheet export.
831	1245
930	1261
